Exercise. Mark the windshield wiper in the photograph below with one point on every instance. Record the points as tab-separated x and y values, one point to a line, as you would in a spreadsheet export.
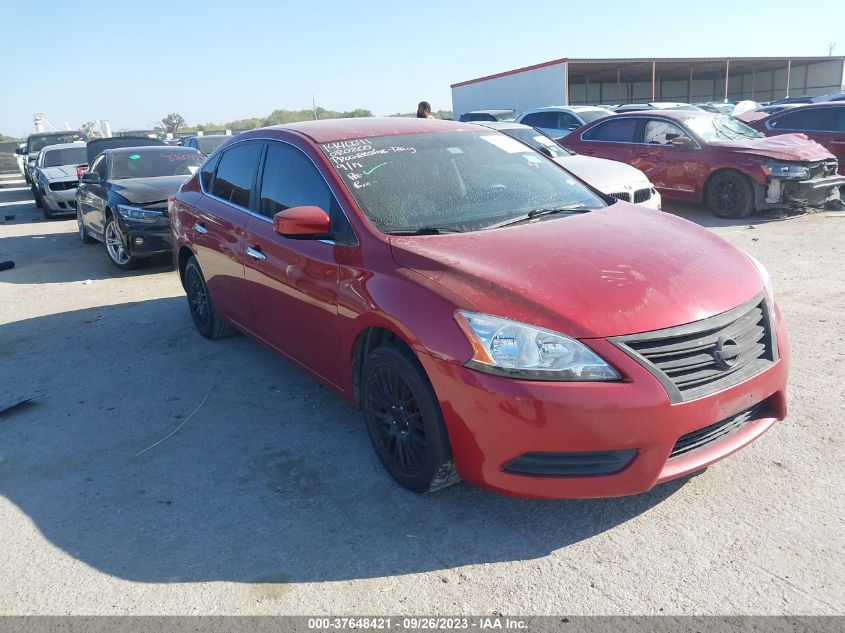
537	213
425	230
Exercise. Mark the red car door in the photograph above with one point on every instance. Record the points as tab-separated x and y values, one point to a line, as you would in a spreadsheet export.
293	283
215	225
675	170
611	138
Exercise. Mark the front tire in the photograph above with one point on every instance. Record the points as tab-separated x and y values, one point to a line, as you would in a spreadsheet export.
39	201
404	420
116	247
203	314
730	195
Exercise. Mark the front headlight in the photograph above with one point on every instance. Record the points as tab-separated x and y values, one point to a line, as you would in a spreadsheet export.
789	171
516	350
136	213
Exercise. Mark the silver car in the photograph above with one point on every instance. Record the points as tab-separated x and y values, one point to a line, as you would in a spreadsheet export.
55	177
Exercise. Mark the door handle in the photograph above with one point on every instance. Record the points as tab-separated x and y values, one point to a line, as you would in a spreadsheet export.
255	253
200	227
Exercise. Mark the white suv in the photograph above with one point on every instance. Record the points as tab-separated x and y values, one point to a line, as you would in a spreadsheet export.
557	121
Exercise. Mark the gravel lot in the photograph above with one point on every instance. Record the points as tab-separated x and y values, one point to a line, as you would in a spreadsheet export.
270	500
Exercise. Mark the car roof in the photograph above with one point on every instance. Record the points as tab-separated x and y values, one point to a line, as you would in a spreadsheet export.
666	113
332	130
50	148
503	111
503	125
147	149
575	108
56	133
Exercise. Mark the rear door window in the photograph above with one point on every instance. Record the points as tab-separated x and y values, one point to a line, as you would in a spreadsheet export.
613	131
812	119
235	175
548	120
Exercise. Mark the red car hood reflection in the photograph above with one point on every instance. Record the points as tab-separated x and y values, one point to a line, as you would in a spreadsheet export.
795	147
615	271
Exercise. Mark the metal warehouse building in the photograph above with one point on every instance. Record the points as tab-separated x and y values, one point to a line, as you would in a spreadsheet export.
611	81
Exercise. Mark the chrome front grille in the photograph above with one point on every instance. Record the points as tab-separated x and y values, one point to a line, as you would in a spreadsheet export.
63	186
621	195
700	358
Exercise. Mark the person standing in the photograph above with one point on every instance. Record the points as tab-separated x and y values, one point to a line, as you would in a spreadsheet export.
424	110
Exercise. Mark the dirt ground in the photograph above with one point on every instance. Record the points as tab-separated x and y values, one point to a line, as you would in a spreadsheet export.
270	500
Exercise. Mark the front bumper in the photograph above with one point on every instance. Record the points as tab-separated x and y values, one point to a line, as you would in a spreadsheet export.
492	421
800	193
59	201
146	238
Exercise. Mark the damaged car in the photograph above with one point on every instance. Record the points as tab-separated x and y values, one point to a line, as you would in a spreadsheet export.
55	181
122	199
701	157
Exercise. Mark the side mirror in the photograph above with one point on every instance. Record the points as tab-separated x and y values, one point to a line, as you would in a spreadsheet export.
573	127
302	223
682	141
545	151
90	177
21	151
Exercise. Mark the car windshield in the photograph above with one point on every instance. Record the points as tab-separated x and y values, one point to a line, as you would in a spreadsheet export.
66	156
452	181
591	115
144	164
208	144
718	127
37	142
537	140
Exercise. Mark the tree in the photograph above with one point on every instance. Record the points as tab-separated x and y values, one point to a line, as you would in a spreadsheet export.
89	129
172	122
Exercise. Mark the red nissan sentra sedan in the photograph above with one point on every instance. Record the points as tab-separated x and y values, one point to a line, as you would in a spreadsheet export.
496	319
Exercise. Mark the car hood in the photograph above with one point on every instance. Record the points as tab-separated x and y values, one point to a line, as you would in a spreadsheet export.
146	190
59	172
615	271
795	147
600	172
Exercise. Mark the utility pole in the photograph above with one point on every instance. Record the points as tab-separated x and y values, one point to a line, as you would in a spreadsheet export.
314	105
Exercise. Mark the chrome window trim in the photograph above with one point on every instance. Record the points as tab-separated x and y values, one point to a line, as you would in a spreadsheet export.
264	217
647	118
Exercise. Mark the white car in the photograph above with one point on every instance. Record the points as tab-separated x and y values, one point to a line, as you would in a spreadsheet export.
55	179
557	121
611	177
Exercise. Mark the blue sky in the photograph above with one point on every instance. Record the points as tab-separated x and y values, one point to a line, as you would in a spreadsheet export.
134	61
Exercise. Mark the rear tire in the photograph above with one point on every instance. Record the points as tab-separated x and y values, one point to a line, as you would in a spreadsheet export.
404	420
83	232
205	317
730	195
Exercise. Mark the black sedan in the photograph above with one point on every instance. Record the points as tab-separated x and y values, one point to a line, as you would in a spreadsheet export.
122	199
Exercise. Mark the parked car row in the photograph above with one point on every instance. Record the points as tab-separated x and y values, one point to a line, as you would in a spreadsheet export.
693	153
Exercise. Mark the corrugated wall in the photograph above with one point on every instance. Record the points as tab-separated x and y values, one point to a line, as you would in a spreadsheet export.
519	91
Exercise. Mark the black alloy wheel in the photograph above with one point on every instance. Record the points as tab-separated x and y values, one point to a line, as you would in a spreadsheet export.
404	420
730	195
203	314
